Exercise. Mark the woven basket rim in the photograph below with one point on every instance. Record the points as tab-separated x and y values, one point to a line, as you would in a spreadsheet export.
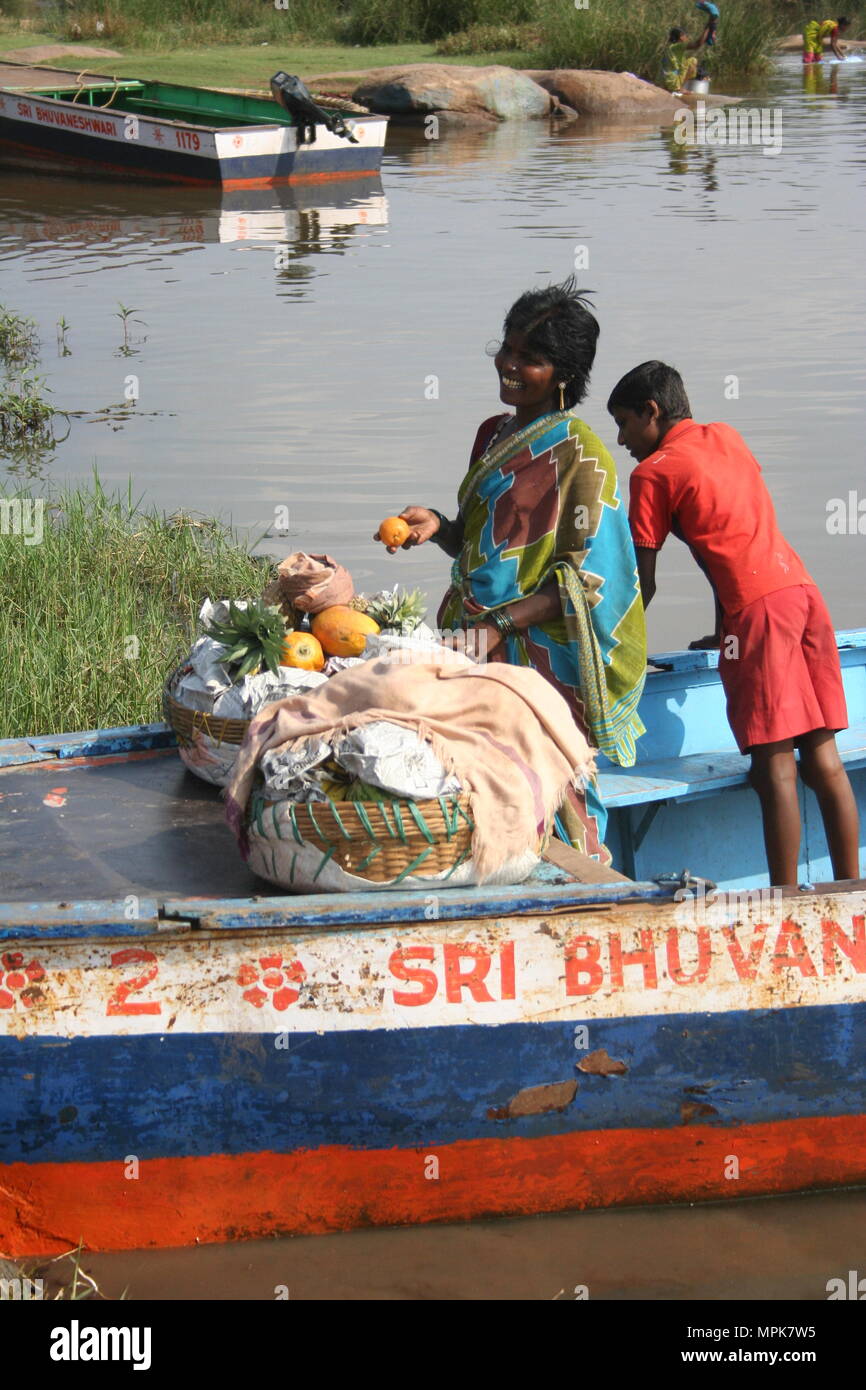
387	801
216	726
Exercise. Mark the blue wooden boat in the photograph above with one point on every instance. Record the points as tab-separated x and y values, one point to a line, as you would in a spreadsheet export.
186	1055
104	127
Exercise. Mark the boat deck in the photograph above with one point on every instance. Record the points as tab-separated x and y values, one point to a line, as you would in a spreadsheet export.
105	827
86	832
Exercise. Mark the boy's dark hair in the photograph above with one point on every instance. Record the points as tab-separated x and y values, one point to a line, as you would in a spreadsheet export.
559	326
652	381
676	34
843	21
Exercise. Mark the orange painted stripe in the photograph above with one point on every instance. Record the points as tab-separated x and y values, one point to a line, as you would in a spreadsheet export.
327	175
103	760
46	1208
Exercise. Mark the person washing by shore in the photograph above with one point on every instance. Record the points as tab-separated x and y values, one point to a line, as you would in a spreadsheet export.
679	65
544	565
817	32
778	661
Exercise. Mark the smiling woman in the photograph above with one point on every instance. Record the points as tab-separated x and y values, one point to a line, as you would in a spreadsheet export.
544	565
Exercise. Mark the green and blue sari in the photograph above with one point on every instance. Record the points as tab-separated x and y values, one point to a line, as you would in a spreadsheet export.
542	506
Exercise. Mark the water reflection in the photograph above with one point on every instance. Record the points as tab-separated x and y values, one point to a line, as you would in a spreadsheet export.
699	160
63	213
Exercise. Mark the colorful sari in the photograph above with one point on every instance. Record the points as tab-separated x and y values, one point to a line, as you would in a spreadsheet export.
540	506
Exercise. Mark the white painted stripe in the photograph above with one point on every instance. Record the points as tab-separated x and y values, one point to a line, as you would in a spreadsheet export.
94	122
247	142
579	966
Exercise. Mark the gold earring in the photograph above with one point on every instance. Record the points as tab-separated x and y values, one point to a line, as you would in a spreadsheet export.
562	395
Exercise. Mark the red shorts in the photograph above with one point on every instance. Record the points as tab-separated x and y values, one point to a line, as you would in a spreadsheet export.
782	675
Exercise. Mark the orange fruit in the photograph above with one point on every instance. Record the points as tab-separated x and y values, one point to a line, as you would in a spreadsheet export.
303	650
394	530
343	631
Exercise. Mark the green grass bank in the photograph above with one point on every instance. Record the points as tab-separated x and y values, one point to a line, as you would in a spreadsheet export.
223	44
101	600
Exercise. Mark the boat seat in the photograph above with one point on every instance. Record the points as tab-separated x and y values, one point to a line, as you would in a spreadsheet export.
701	774
204	115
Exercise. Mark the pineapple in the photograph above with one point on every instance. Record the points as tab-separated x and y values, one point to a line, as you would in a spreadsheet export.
253	637
390	609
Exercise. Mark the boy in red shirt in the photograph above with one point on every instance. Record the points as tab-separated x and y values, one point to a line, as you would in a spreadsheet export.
778	662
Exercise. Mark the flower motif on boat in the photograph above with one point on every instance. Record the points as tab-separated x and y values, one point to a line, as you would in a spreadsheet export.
273	980
18	979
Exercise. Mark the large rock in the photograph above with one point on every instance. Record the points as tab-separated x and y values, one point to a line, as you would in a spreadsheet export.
421	89
607	96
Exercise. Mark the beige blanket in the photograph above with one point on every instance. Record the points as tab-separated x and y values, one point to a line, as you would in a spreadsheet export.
503	730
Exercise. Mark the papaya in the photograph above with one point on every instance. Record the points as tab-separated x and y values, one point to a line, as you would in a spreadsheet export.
343	631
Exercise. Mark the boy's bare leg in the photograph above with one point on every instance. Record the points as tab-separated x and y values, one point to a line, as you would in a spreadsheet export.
822	770
774	777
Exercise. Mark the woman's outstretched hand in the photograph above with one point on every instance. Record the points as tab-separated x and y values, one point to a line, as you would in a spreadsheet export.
422	523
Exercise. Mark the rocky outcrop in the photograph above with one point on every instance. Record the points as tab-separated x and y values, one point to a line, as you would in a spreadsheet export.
422	89
607	96
463	95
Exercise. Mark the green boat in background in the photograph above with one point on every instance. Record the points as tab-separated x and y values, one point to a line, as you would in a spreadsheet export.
64	122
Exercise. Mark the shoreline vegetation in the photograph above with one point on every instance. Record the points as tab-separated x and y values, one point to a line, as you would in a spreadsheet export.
102	600
196	41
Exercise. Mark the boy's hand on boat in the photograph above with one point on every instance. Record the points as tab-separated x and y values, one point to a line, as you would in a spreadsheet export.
422	523
710	643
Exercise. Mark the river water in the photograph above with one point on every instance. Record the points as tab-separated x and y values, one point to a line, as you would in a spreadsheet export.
324	350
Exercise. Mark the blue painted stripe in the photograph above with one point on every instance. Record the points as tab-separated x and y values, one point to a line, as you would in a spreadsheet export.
188	1095
536	895
308	160
88	743
81	918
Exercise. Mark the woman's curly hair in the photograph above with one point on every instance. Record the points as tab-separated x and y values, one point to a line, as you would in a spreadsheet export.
558	325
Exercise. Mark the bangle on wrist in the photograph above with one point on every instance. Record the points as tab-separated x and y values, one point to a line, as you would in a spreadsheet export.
504	624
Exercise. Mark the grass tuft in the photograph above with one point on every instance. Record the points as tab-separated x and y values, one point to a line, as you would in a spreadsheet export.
23	407
19	339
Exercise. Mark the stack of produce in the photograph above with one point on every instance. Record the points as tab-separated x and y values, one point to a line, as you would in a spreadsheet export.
438	771
308	625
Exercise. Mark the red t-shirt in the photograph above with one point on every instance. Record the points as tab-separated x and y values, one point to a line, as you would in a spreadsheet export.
705	486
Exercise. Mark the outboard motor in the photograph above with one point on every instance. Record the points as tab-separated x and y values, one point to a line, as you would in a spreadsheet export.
292	95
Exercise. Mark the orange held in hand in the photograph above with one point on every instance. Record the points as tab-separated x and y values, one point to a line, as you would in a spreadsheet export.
303	650
394	531
343	631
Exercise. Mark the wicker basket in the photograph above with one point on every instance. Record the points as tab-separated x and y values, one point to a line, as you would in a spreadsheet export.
380	841
186	722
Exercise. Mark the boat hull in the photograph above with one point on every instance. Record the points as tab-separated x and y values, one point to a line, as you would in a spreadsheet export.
59	137
196	1078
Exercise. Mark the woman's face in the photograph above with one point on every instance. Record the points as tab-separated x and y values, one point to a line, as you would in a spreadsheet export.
525	378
